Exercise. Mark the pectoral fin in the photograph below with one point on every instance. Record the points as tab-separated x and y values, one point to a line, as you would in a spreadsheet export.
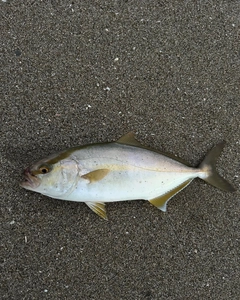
96	175
161	201
98	208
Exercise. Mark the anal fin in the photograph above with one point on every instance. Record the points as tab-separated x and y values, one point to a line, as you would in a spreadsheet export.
161	201
98	208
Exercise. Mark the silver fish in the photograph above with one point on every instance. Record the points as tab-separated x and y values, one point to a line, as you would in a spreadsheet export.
118	171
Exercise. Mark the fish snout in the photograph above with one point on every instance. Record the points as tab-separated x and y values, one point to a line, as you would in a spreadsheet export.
31	181
26	172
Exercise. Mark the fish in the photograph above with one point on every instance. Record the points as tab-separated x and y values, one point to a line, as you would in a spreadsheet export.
119	171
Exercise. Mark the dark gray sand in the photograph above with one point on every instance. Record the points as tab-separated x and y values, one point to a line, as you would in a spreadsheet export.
72	73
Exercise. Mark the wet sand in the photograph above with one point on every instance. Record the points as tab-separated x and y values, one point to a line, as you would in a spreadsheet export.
76	73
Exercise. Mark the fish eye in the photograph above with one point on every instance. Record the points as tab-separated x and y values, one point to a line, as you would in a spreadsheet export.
44	170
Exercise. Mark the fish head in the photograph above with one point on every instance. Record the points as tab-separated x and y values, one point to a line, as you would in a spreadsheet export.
51	176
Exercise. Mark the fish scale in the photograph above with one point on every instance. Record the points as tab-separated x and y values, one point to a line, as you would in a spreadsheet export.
118	171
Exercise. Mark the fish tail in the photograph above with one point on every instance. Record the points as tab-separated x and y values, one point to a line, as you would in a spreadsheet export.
208	167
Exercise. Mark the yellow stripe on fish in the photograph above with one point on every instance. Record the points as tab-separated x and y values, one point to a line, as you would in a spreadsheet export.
118	171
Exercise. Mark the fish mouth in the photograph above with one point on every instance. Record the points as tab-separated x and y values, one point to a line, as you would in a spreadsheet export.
31	182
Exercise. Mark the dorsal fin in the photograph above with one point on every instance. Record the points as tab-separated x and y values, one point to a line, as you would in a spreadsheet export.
129	139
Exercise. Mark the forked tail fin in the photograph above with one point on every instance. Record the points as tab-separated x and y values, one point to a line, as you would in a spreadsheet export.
208	166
